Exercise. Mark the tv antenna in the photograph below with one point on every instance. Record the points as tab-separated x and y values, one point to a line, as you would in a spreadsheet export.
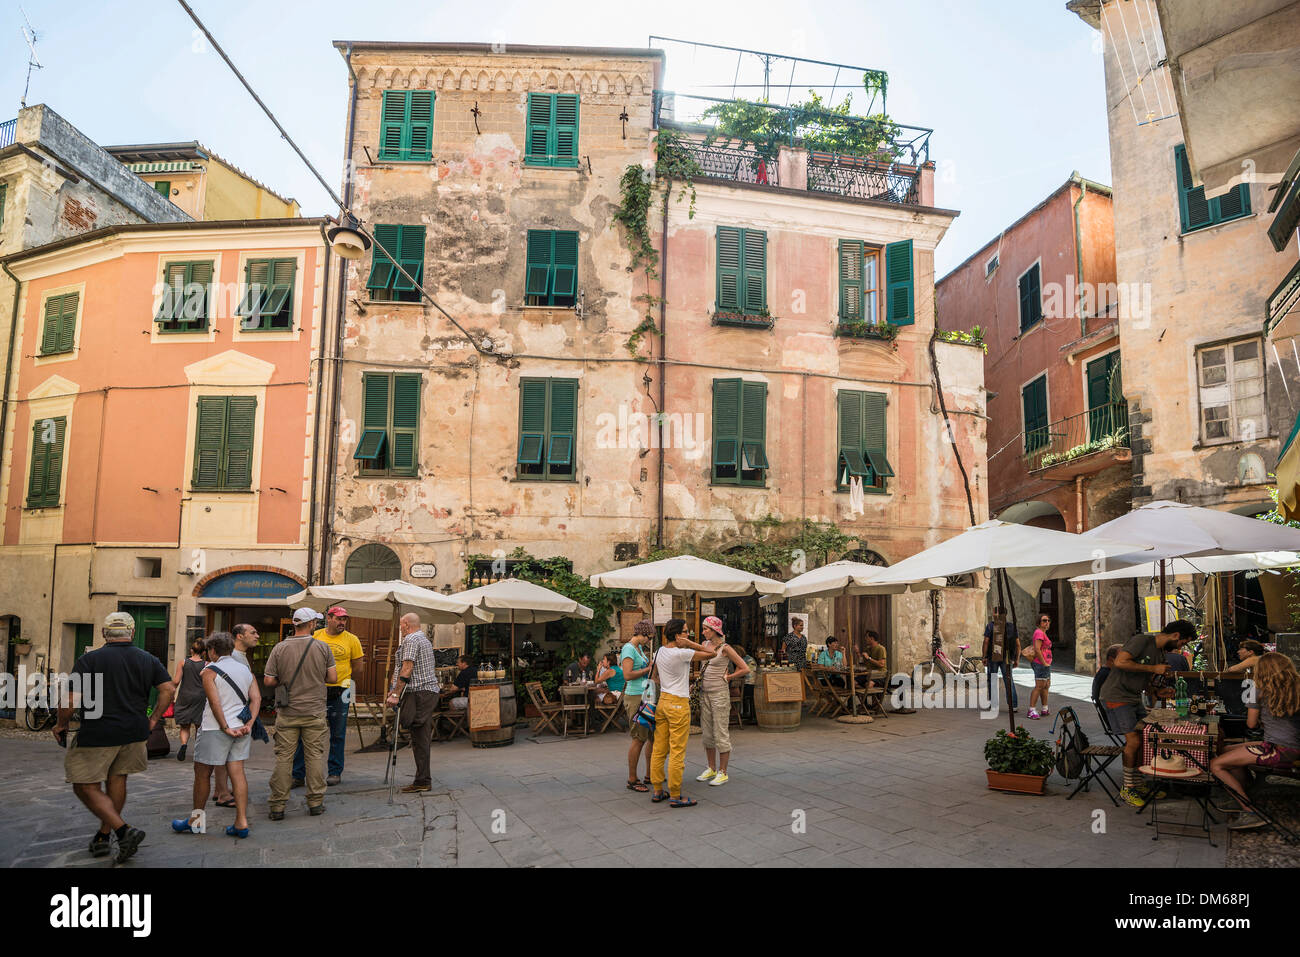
33	62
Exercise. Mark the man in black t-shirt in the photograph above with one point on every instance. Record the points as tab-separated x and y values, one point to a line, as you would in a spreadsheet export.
112	689
1002	652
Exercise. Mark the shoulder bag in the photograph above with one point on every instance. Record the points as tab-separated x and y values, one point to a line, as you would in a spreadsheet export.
282	689
645	712
258	732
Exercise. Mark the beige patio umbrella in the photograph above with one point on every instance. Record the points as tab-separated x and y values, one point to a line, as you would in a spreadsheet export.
688	575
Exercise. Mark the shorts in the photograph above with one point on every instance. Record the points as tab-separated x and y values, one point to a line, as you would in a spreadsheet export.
639	732
1042	672
459	704
1275	756
1123	718
95	765
216	748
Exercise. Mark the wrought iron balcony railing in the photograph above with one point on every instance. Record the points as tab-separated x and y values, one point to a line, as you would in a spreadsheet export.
1098	430
863	178
732	163
8	130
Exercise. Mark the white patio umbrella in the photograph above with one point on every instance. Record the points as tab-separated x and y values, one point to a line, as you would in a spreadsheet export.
688	575
1208	565
524	602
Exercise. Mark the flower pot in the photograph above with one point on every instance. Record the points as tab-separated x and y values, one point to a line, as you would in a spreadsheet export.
23	647
1020	783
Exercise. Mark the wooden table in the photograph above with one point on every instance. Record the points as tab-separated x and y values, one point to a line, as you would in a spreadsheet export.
576	699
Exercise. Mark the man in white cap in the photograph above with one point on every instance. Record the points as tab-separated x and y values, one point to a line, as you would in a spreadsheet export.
114	683
298	669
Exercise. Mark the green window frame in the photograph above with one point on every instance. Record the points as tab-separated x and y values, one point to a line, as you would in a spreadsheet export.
1030	289
406	125
741	271
551	268
739	432
900	277
386	283
551	130
45	474
863	439
390	424
163	187
187	290
59	331
267	303
1194	210
1033	401
225	428
548	430
859	282
4	189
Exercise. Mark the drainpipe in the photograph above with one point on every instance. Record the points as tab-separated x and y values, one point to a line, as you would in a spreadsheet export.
320	391
327	538
1078	254
9	359
663	357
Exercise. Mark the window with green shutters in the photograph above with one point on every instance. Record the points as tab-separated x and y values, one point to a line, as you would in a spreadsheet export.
859	281
900	304
742	271
551	276
548	430
406	243
59	331
186	295
1197	212
45	475
551	130
164	188
1031	297
1034	401
862	435
267	303
390	428
223	443
406	125
739	432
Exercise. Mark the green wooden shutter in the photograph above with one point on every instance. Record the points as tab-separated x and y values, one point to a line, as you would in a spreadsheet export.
1233	204
1035	410
753	425
406	424
875	435
566	130
726	427
898	284
728	269
172	306
1030	290
198	285
381	266
565	265
754	271
374	419
52	325
40	460
209	441
1104	390
563	427
1192	205
539	143
851	280
257	286
532	421
241	426
46	472
392	124
419	135
849	457
68	322
537	279
410	250
279	302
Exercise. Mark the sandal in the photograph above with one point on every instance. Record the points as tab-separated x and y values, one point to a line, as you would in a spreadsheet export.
659	796
637	786
683	801
182	826
230	803
237	831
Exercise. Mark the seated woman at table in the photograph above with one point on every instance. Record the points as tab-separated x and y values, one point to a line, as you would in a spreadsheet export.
831	657
1248	655
610	674
1276	708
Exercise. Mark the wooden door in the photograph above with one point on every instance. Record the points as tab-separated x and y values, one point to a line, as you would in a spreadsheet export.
374	635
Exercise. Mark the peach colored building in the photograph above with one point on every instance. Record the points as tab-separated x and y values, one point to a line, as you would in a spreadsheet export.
1043	292
158	456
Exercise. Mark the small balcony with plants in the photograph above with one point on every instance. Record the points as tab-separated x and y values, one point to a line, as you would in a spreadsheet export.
1081	444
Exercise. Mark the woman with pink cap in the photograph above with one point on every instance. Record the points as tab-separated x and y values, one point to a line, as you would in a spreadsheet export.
715	700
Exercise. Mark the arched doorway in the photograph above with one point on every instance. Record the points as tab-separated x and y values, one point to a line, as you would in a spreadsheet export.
372	563
862	613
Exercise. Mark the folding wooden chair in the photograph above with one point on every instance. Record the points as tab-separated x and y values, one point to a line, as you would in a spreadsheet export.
610	713
813	694
837	698
549	712
454	722
737	690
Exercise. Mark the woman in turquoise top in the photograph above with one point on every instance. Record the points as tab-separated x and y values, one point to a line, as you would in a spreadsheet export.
612	675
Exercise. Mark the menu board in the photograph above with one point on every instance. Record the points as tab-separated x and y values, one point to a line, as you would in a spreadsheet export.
484	707
783	686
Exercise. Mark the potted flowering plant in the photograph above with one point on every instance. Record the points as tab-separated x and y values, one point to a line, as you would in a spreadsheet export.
1017	762
21	645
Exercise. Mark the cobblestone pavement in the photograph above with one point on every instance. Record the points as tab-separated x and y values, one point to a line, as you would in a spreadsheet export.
904	791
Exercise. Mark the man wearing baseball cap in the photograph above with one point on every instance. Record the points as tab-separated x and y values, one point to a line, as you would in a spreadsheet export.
349	660
110	743
303	667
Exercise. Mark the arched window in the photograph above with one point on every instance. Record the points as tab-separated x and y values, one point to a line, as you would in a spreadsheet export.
372	563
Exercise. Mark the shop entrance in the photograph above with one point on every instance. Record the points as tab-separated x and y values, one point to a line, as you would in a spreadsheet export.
868	613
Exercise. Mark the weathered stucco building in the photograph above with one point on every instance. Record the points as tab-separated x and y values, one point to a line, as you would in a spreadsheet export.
524	415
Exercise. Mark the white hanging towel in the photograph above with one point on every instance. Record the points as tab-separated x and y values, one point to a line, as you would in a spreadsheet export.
857	501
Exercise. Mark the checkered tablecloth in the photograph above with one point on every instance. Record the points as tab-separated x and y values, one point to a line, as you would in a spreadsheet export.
1176	727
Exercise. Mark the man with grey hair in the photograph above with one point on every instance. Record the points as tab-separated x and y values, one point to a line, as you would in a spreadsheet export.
414	672
298	669
110	743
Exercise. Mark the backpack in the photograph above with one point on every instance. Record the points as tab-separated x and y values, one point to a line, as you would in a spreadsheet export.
1070	760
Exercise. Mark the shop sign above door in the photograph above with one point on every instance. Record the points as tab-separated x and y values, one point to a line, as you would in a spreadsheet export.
237	585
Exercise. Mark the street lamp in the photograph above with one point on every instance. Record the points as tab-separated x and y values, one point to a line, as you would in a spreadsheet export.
347	238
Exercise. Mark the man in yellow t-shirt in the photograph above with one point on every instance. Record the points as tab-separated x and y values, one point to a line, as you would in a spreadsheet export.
349	660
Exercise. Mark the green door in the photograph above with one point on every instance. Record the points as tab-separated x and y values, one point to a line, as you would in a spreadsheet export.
150	634
1105	389
85	637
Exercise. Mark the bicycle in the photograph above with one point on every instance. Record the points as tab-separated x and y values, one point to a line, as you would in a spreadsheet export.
38	715
964	666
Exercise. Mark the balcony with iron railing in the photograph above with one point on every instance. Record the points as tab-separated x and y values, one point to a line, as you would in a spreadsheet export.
1081	444
8	132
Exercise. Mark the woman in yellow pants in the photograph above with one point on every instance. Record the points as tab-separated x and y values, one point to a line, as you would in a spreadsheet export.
672	672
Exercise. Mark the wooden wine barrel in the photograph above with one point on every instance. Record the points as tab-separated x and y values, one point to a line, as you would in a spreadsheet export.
775	715
505	734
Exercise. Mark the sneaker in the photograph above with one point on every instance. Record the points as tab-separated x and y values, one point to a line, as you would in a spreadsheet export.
316	811
1132	797
334	779
128	844
101	845
180	755
297	783
276	815
1248	821
1045	712
708	775
1033	714
719	779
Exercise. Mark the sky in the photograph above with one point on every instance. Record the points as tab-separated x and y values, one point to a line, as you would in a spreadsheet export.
1013	89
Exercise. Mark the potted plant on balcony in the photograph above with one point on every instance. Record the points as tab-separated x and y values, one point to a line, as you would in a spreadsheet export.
1017	762
21	645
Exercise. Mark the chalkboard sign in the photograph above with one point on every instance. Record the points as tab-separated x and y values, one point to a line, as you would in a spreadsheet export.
782	686
484	707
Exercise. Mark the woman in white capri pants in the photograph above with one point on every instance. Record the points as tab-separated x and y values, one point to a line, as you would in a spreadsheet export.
715	700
